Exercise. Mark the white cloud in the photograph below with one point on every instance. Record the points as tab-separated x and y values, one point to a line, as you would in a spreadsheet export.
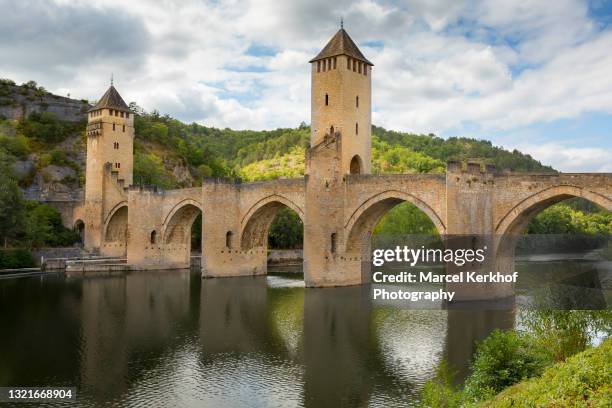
571	159
495	64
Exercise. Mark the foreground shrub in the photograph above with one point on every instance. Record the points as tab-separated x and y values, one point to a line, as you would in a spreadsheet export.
504	358
16	258
441	392
583	380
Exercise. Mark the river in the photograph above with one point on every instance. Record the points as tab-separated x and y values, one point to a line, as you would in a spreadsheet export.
172	339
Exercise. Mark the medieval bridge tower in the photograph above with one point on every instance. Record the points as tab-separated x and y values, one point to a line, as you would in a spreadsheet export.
109	171
341	144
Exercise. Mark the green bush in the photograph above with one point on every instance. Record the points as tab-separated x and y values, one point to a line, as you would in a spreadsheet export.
16	258
504	358
15	145
583	380
46	127
564	333
43	227
440	392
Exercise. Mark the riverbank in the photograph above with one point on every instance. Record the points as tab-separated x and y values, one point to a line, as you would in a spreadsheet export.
584	380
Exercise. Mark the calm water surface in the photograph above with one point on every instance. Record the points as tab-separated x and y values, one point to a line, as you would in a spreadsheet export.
173	339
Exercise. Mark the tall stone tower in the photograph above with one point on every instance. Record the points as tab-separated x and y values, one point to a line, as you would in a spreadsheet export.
109	167
341	101
340	149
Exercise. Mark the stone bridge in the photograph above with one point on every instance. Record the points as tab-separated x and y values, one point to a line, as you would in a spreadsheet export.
338	201
152	228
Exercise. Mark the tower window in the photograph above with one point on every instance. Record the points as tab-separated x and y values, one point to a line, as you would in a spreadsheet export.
117	165
334	62
333	242
127	114
324	65
116	145
116	113
326	99
153	236
357	101
121	114
228	239
318	66
113	126
348	63
365	70
356	128
124	128
110	112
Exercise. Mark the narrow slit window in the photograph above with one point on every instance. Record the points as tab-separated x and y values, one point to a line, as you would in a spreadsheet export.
113	126
153	236
357	101
356	128
326	99
124	128
333	242
228	239
318	66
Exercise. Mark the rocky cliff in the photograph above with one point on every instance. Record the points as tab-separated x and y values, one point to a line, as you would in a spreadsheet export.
18	102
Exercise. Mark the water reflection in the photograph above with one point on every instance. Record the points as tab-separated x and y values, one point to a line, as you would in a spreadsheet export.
170	338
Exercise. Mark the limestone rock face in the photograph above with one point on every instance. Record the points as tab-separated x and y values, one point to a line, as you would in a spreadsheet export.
182	174
23	168
17	102
55	173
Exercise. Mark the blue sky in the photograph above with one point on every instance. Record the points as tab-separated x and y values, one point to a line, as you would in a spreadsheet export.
532	75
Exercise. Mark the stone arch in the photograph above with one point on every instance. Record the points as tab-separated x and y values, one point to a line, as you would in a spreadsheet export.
514	222
116	224
256	222
176	227
363	220
356	166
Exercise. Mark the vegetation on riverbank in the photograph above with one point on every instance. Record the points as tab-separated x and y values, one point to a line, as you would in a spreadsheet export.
555	345
26	224
583	380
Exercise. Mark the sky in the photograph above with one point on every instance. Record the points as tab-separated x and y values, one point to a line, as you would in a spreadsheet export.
529	75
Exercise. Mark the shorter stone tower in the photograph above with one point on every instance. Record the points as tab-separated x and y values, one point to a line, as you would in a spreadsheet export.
109	168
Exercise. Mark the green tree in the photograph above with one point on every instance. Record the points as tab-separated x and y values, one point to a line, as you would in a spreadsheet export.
11	205
149	169
566	332
286	231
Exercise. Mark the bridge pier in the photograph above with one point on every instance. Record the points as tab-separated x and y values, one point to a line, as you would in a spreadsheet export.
223	254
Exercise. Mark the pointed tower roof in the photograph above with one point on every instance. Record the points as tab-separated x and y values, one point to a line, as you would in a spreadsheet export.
341	44
111	100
